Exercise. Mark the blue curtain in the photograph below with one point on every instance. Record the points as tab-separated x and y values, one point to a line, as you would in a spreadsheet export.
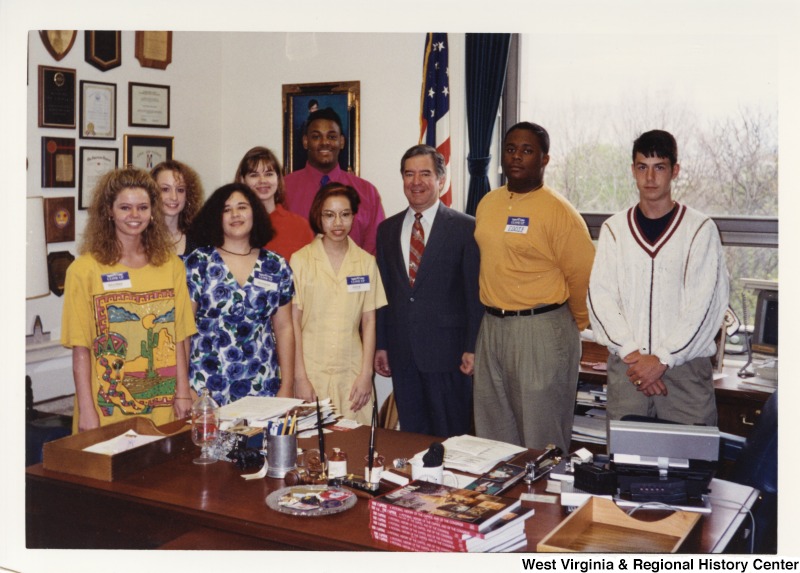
486	61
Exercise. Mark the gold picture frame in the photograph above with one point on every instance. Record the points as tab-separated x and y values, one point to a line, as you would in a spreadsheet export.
298	101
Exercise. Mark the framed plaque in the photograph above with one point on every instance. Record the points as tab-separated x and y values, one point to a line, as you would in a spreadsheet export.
59	219
56	97
103	49
98	110
301	99
145	151
94	163
58	42
57	264
148	105
58	162
154	49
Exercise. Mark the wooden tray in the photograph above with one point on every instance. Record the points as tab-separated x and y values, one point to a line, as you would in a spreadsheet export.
66	455
599	526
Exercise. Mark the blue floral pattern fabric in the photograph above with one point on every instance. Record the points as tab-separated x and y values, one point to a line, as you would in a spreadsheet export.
233	353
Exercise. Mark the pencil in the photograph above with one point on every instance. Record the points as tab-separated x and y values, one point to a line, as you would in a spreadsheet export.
291	428
285	424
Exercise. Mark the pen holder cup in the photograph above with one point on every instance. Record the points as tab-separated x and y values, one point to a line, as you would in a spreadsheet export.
281	455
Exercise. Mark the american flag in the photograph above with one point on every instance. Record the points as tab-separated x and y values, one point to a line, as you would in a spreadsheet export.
435	103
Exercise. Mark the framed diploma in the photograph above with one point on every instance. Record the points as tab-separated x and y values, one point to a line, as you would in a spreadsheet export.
148	105
56	97
154	49
58	42
145	151
94	163
98	110
103	49
59	219
58	162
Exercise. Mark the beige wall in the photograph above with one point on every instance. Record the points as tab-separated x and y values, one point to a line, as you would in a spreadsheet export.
225	97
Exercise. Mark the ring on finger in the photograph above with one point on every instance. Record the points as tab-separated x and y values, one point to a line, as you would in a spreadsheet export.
637	383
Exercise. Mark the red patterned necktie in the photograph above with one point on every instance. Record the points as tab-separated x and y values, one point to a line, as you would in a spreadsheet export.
417	248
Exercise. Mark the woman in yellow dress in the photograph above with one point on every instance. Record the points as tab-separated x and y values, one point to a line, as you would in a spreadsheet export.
337	290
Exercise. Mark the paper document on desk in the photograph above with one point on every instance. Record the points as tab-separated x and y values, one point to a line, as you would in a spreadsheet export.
122	443
475	455
257	409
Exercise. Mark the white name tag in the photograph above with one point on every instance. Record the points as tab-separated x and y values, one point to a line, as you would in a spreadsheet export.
116	281
263	280
358	283
517	225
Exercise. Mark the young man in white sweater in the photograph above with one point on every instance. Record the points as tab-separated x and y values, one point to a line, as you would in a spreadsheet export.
657	295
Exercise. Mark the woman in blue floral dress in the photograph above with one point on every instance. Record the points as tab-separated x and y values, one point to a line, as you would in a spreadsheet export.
241	295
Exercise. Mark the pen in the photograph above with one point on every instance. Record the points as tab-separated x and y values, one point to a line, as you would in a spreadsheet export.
371	457
321	434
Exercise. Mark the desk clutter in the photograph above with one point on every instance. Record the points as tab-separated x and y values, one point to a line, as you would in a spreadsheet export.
477	505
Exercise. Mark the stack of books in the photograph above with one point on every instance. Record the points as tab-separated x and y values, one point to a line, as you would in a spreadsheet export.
424	516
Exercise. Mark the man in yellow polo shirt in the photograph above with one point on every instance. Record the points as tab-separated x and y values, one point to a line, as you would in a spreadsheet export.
536	258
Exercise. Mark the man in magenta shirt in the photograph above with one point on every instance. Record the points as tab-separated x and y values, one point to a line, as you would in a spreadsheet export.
323	140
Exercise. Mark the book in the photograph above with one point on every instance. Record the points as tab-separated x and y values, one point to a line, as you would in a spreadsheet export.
497	480
469	510
392	526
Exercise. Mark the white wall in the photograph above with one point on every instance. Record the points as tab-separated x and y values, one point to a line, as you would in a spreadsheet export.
225	91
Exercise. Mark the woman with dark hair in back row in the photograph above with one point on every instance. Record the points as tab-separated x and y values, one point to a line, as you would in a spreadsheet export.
241	295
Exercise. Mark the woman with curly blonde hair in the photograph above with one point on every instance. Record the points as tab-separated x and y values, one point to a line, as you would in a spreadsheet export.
126	309
182	197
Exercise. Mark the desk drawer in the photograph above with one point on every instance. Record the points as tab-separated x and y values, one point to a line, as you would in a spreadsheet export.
737	415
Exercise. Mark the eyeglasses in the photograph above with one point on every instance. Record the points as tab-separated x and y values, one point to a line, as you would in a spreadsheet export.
330	216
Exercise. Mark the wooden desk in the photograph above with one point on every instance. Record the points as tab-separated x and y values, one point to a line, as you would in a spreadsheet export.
180	505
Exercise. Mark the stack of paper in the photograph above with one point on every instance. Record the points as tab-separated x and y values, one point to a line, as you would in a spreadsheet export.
259	411
589	429
475	455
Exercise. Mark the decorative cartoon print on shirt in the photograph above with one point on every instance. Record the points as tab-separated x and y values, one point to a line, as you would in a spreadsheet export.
136	383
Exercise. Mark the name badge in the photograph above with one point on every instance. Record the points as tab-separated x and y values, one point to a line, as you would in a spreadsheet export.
263	280
116	281
358	283
517	225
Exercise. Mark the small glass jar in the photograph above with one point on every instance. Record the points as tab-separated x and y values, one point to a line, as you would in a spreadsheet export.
377	468
337	464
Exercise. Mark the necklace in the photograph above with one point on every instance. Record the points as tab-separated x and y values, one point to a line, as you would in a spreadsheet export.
178	240
237	254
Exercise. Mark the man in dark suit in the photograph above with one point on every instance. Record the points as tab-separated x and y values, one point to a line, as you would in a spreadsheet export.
429	263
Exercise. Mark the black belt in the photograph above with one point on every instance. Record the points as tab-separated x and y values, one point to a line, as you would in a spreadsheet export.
526	312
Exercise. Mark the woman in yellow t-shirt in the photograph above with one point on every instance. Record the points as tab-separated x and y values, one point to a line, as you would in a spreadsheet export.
337	290
127	309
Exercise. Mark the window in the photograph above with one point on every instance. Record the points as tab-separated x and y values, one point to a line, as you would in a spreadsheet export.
718	94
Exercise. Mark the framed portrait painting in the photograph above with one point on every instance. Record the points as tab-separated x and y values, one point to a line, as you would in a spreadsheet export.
299	100
146	151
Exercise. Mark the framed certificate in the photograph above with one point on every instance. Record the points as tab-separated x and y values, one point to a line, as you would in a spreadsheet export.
56	97
148	105
98	110
145	151
154	49
58	162
94	163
